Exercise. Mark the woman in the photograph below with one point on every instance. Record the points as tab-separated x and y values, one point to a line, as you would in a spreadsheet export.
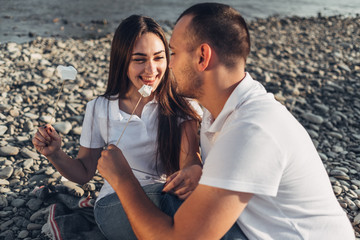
160	139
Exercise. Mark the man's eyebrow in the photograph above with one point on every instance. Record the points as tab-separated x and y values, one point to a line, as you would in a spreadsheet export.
143	54
170	46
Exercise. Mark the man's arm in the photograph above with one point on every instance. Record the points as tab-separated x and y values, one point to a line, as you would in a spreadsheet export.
207	214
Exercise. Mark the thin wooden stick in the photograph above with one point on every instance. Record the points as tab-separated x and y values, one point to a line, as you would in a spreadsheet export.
57	101
128	121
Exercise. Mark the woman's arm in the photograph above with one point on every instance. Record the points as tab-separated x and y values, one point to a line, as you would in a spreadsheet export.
184	181
80	170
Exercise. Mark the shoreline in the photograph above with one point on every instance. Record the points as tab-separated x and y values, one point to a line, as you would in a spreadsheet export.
62	28
310	64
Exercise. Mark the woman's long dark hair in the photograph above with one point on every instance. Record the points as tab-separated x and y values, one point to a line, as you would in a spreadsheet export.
171	106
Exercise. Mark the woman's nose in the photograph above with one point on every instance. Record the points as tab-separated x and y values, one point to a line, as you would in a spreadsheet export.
150	67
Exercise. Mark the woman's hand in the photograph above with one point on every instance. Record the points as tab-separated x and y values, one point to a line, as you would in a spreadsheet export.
46	140
184	181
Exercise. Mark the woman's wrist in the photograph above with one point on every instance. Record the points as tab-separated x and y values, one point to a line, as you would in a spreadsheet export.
54	155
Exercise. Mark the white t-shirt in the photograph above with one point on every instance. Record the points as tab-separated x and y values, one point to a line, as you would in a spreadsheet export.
255	145
103	124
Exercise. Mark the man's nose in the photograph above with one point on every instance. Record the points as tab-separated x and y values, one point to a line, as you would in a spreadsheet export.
171	63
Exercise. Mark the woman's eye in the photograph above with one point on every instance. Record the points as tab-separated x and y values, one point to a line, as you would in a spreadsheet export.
139	60
159	58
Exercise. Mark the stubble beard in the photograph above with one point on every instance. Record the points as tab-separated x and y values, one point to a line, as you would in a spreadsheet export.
192	84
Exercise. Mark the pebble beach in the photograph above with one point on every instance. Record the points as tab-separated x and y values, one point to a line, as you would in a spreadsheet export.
311	65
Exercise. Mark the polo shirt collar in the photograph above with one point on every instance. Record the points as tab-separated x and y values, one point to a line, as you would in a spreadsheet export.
114	107
237	97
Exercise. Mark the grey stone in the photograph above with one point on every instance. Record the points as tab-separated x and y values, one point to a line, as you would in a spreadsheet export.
31	116
313	134
49	72
45	118
28	126
8	151
39	214
337	190
5	107
77	130
28	163
4	214
321	107
33	226
7	235
88	94
73	188
323	156
18	99
339	174
313	118
34	204
26	153
4	226
4	182
356	182
6	172
344	67
18	202
3	201
337	149
63	127
357	219
335	134
23	234
37	178
3	129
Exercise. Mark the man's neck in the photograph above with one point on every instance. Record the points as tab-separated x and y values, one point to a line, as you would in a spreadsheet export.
218	86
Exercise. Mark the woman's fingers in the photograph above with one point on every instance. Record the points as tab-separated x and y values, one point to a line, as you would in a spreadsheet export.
173	183
46	140
38	142
52	132
44	133
40	139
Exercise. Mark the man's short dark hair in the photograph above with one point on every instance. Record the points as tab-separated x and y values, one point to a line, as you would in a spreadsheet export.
222	27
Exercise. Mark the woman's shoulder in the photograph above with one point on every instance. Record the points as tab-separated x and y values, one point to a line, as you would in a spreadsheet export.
196	106
100	102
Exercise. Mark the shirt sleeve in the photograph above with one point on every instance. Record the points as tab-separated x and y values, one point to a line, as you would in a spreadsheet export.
90	135
244	158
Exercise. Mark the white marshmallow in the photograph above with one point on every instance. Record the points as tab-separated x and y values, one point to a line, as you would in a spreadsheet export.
67	72
145	90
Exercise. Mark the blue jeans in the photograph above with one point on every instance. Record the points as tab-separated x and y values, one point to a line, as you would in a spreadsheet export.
114	224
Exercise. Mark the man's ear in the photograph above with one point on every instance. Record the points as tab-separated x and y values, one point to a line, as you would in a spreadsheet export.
204	55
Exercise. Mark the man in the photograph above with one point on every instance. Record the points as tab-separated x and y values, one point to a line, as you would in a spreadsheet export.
261	169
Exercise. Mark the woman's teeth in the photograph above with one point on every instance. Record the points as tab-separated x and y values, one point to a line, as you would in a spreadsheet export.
148	79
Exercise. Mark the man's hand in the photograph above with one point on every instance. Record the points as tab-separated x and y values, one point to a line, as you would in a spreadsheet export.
112	165
183	182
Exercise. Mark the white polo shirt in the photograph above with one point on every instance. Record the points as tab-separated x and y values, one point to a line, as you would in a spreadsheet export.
255	145
103	124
